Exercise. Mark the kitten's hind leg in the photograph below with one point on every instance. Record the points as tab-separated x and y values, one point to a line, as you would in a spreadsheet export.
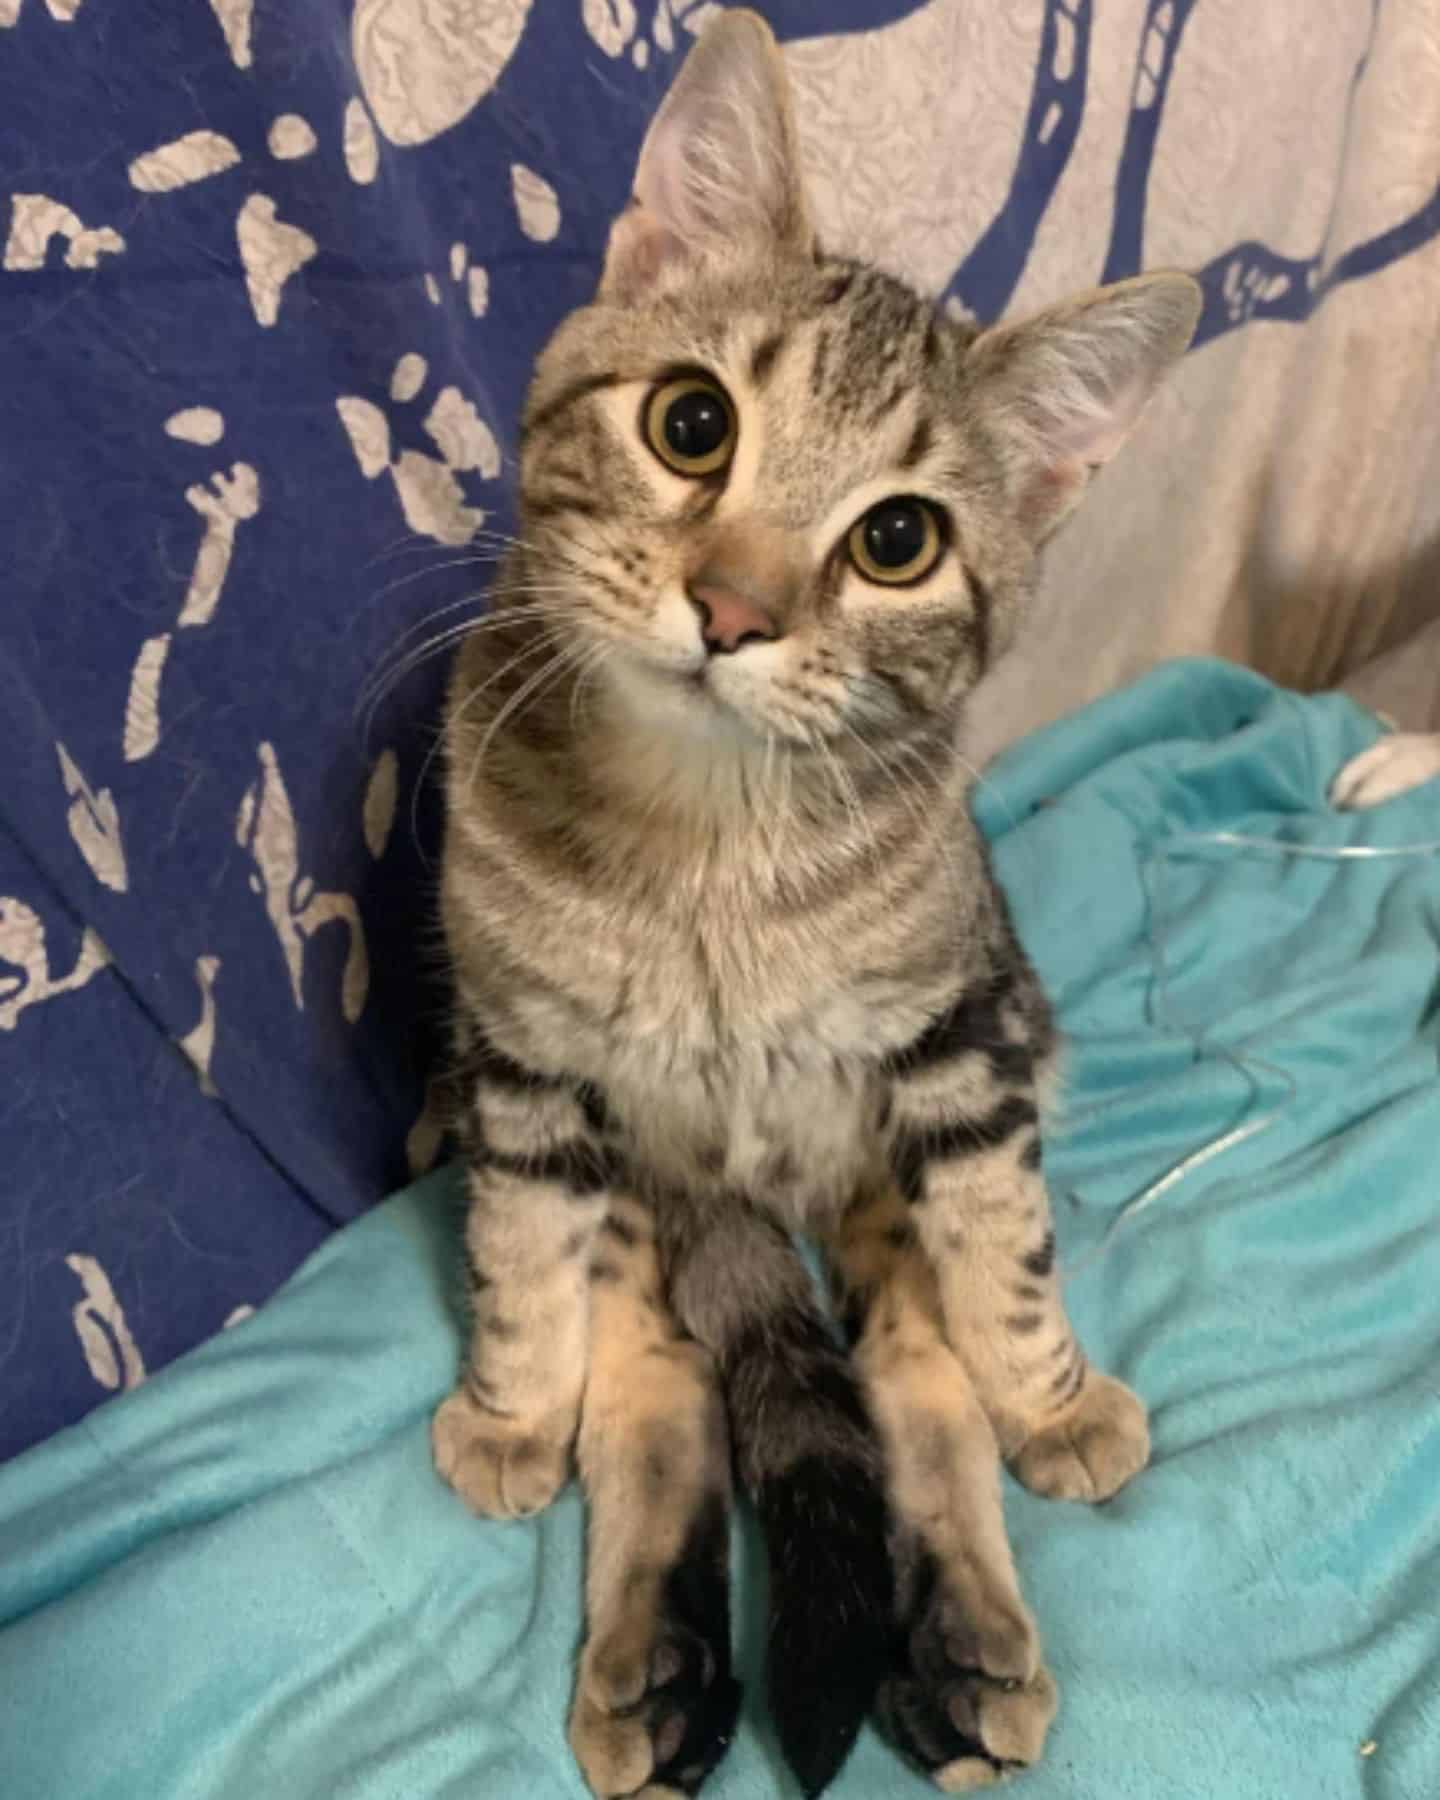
655	1703
967	1696
808	1455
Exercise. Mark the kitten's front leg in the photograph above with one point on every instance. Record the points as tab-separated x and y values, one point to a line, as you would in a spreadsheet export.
537	1180
967	1157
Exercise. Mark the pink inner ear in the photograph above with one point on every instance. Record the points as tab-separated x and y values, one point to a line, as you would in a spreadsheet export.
1049	493
661	177
639	252
1092	434
1072	444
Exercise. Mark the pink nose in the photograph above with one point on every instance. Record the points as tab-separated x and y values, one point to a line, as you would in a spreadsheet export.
728	619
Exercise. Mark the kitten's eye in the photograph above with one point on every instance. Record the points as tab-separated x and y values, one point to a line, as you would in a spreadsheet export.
690	426
897	542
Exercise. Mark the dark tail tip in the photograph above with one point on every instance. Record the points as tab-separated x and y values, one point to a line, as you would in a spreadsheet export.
831	1608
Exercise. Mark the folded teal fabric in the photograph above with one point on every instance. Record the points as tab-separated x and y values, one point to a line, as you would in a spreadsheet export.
243	1579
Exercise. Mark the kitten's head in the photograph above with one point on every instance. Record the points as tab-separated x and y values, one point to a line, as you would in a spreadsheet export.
779	494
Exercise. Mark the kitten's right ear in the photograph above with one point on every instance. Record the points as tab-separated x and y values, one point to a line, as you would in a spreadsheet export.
720	164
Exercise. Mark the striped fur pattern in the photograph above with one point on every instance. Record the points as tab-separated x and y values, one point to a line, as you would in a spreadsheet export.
730	963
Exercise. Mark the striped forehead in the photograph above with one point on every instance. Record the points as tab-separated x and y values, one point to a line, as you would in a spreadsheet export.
842	379
839	392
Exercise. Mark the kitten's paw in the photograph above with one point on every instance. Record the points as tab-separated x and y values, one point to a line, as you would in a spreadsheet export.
972	1701
503	1468
655	1709
1097	1444
1393	766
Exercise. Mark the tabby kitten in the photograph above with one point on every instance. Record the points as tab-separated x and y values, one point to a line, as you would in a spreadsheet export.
730	962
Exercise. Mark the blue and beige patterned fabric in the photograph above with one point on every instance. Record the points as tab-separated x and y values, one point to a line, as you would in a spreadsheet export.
272	275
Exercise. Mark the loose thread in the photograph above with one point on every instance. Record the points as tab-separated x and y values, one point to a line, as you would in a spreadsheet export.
1244	1062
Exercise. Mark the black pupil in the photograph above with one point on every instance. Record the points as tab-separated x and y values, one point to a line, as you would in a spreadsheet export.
696	424
895	534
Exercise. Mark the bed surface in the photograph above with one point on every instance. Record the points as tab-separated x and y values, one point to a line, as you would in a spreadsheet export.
245	1578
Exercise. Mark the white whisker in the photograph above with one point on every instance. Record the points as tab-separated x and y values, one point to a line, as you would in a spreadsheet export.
542	642
388	677
529	689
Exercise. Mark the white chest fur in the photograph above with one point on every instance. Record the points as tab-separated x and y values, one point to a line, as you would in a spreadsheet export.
759	1079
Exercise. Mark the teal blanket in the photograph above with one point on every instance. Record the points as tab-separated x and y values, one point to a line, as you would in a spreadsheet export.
244	1581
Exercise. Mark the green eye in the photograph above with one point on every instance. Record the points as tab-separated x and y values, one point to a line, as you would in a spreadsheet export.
897	542
690	426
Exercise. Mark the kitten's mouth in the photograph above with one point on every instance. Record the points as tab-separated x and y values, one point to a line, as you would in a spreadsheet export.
699	688
754	722
692	678
702	691
701	694
710	693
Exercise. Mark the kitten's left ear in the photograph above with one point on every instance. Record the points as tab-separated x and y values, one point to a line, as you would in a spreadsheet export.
1062	391
720	166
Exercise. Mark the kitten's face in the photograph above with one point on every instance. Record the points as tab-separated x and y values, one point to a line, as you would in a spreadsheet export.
776	496
762	497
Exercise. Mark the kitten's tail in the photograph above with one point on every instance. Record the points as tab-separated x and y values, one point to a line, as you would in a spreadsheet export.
808	1455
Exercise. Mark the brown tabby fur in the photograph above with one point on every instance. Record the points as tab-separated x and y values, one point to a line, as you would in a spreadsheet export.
730	962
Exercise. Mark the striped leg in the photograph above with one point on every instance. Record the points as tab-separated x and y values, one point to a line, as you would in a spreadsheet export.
967	1158
538	1193
655	1702
967	1697
808	1455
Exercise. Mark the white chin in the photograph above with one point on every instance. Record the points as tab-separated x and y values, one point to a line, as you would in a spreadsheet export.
692	702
